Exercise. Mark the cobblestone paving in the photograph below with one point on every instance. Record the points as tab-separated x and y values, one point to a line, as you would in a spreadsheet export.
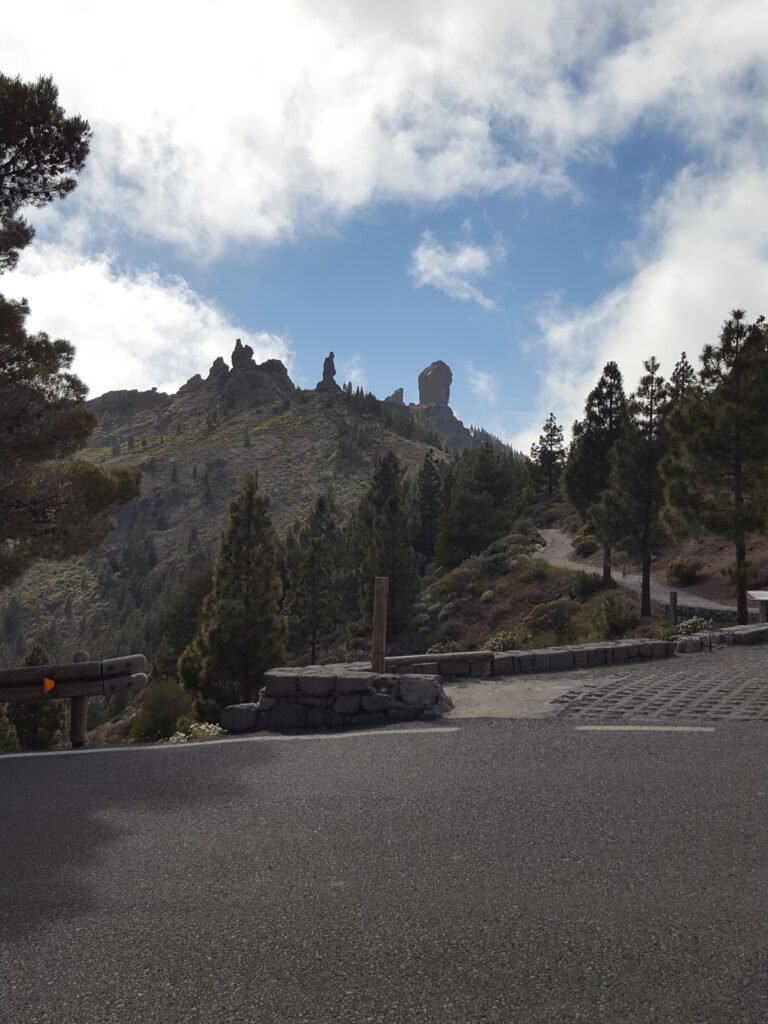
726	684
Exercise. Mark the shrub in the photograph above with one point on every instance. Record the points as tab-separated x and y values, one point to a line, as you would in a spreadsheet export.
535	571
586	547
681	572
444	647
552	617
163	705
585	584
9	741
612	618
463	581
504	640
196	731
687	627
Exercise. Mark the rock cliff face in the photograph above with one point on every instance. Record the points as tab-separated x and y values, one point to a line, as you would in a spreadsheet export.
435	384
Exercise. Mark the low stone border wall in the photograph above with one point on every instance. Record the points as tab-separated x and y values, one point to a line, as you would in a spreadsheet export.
350	696
754	633
322	697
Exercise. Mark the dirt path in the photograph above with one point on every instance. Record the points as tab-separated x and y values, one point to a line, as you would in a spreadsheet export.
558	551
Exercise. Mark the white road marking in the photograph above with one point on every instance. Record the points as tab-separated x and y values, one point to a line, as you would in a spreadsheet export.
644	728
257	738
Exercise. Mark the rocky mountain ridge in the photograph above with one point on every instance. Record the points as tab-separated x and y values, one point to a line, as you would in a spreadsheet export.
248	385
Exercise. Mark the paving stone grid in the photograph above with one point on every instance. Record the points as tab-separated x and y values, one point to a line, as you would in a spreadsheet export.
726	684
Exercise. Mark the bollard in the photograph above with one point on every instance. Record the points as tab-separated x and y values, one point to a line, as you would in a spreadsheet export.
78	718
673	607
380	595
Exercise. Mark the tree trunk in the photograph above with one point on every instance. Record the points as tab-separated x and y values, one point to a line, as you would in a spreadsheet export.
645	595
742	611
607	578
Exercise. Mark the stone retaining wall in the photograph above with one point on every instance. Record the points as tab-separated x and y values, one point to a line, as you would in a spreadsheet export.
319	697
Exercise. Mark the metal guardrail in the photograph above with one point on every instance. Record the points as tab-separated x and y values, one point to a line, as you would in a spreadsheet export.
77	682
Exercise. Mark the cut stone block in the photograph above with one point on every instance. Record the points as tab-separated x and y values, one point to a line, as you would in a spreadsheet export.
580	657
240	717
596	656
421	691
619	654
355	682
453	668
505	664
524	664
376	702
317	684
541	661
287	716
280	682
347	704
313	702
267	703
481	667
560	659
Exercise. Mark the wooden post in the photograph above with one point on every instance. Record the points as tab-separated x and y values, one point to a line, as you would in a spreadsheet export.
380	597
78	712
673	607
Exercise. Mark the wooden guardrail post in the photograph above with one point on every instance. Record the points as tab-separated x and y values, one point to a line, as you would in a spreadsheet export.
673	607
379	646
78	708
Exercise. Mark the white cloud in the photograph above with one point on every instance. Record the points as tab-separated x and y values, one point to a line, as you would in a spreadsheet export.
450	270
482	385
704	252
130	330
234	123
353	371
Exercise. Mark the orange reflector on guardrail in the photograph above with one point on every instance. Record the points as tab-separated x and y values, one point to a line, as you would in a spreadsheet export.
48	684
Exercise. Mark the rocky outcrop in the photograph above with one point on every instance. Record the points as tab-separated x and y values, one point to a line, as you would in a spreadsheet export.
440	420
328	383
249	384
332	696
435	384
127	403
192	385
396	398
218	372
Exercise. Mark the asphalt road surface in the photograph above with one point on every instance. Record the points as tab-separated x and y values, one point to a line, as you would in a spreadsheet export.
510	871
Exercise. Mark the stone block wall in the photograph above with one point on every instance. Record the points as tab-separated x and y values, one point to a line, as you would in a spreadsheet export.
322	697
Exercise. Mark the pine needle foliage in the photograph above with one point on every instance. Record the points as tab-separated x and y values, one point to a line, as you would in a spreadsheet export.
241	633
717	475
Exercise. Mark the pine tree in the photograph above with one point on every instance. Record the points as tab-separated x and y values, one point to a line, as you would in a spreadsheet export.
588	466
9	739
428	489
380	540
51	505
548	453
312	582
683	380
42	152
718	474
39	724
631	508
240	635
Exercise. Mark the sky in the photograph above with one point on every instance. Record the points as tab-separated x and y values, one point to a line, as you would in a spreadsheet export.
523	189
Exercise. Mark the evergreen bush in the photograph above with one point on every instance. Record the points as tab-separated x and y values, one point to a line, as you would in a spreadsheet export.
612	618
681	572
